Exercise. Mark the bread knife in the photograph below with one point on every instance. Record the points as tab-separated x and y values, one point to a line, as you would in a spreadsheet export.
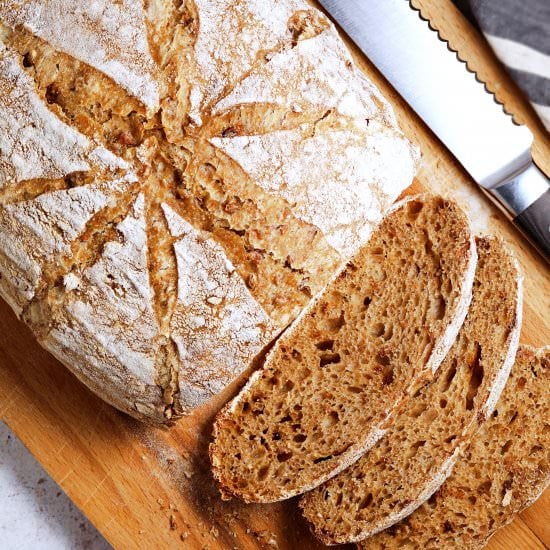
450	99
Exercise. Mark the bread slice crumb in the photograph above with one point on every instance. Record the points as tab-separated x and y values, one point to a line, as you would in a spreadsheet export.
426	438
378	330
505	469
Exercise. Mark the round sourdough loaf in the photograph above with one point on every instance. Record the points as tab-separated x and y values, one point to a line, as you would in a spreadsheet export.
177	180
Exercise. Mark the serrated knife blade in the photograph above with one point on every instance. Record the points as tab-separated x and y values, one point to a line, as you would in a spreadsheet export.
455	105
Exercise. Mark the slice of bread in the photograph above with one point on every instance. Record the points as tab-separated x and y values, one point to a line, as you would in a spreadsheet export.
381	327
505	469
424	440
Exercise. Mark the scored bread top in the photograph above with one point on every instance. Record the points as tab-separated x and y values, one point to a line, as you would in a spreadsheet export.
135	115
425	439
381	326
504	470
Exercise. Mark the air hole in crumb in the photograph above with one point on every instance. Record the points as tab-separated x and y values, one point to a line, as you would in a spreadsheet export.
246	406
27	62
336	324
442	403
230	132
513	417
322	459
262	473
450	439
329	359
354	389
377	329
296	355
447	526
521	383
388	332
276	436
449	376
52	94
428	246
437	308
441	203
366	502
414	208
367	301
382	358
476	378
325	345
300	438
387	379
485	487
284	456
506	447
289	385
536	449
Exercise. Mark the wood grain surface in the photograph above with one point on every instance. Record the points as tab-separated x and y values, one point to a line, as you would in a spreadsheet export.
151	488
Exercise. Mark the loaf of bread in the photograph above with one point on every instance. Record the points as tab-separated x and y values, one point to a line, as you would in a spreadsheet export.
431	431
378	330
505	469
177	180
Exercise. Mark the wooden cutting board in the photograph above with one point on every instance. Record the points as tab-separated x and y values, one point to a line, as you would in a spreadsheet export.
151	488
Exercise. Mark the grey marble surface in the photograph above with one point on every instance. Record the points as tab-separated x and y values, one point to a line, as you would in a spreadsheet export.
35	514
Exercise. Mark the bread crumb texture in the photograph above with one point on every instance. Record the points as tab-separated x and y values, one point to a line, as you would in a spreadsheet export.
177	180
328	387
504	470
426	438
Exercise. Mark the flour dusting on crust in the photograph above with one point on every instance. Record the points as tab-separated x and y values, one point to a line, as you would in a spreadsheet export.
218	326
343	195
109	36
317	73
231	34
34	143
35	232
107	315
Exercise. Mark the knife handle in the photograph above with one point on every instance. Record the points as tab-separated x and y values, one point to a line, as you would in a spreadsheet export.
525	199
534	223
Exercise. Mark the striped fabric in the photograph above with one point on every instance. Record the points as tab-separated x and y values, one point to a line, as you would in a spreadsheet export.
519	33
